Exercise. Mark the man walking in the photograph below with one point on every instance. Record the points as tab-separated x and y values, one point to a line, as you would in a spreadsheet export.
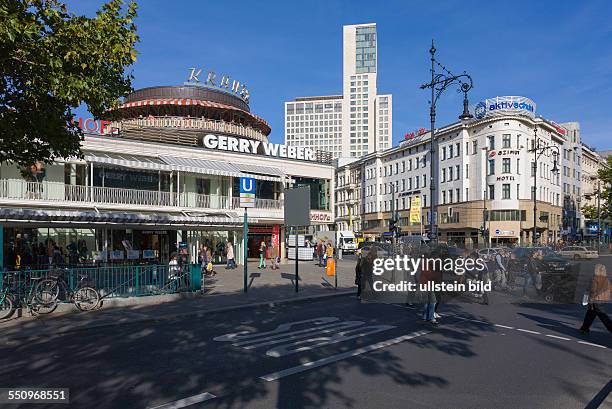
599	294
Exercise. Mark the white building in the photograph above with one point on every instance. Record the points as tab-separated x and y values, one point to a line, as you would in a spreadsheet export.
352	124
484	164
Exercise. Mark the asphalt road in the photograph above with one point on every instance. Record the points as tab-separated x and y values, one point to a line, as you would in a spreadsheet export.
335	353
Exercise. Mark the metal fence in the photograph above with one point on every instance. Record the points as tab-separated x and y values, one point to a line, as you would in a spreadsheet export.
115	281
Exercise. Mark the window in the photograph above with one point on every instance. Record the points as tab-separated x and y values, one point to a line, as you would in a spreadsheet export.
443	196
444	175
506	141
518	166
506	191
403	166
450	173
450	151
474	147
491	192
506	165
491	142
467	197
457	191
491	169
533	169
457	172
450	196
443	152
467	171
458	146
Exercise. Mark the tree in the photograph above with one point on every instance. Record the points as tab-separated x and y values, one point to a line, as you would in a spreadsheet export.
52	61
605	180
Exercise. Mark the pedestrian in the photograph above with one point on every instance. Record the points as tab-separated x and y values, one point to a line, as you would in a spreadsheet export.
229	252
358	277
173	267
427	276
262	254
320	251
275	256
600	292
364	272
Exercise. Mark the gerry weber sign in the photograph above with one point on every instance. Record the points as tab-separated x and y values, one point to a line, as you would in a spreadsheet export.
240	145
209	79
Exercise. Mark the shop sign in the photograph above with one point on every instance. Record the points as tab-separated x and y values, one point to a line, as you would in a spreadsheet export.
209	79
133	254
320	217
242	145
415	209
91	125
505	178
499	232
561	130
504	152
117	255
151	232
276	236
415	134
148	254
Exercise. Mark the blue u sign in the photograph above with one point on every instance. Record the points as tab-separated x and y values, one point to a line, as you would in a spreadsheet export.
247	185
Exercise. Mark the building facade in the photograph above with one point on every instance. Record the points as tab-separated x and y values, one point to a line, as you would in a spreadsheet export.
352	124
488	177
162	178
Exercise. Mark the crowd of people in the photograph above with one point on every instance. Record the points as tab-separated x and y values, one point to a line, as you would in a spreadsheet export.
45	254
503	270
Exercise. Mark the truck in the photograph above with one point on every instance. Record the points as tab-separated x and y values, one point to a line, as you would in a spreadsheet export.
346	241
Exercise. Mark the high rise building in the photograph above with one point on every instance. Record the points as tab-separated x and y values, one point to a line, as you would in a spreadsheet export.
355	123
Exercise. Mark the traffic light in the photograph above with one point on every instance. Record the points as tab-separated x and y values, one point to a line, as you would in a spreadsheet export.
393	225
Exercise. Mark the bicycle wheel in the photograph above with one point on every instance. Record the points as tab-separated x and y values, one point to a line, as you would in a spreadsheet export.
46	291
86	298
47	305
6	307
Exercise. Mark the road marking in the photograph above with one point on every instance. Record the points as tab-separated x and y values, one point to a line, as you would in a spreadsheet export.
503	326
558	337
181	403
282	328
338	357
311	332
528	331
311	343
593	345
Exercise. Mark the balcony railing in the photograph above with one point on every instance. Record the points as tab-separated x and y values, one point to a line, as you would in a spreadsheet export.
53	191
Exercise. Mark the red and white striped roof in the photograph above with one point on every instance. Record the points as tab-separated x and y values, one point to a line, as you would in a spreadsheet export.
187	102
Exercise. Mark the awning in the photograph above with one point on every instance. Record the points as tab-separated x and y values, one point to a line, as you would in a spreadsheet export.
123	218
213	167
190	165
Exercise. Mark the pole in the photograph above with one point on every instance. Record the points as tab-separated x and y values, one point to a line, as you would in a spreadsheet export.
393	212
296	260
484	217
432	148
245	233
535	184
598	216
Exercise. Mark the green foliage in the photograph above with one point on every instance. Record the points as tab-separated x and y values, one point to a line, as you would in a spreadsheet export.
605	178
52	61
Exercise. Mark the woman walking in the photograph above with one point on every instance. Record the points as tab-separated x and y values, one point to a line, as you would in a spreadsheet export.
262	254
600	293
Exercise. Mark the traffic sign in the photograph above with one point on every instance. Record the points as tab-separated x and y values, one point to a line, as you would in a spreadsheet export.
247	192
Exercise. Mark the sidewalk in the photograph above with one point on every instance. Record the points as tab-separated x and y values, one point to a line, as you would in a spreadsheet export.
222	292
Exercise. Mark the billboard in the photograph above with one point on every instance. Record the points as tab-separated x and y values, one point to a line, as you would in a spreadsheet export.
509	105
297	206
415	209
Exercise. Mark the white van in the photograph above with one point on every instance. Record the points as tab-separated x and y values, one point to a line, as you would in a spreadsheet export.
346	241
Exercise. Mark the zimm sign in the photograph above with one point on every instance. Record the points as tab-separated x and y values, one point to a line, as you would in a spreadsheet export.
241	145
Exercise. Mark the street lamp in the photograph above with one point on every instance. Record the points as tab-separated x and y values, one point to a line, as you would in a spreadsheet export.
439	82
537	152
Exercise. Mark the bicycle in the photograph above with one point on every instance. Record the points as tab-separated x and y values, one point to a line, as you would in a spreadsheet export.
25	295
84	297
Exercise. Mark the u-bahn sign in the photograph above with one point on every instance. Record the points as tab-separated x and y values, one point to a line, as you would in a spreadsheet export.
247	192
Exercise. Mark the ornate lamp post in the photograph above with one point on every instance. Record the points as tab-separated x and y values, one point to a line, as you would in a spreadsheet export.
439	82
537	152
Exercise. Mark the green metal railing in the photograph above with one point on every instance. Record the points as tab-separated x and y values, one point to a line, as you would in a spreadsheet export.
118	281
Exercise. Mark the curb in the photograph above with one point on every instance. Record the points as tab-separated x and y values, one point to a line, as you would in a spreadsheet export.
197	314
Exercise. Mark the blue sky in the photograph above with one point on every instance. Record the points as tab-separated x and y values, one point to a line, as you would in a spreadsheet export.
558	53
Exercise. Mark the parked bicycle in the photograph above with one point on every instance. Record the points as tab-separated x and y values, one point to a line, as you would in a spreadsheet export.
84	296
22	293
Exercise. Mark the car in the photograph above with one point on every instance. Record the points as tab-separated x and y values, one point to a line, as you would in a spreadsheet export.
553	262
383	249
578	252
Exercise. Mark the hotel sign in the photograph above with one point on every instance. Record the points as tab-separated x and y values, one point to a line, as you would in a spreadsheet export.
241	145
209	79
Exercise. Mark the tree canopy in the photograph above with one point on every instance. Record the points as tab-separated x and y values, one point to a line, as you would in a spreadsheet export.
51	62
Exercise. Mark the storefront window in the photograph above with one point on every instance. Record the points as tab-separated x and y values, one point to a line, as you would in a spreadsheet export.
319	192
